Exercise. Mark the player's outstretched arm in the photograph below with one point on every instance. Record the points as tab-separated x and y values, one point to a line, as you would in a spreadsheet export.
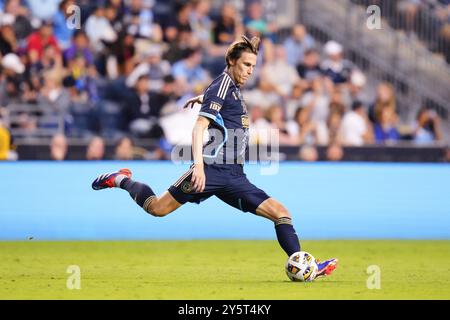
198	174
191	102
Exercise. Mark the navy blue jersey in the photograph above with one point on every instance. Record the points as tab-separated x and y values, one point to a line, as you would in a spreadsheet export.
224	106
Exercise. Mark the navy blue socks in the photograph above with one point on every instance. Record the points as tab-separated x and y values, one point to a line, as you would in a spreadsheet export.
286	235
140	192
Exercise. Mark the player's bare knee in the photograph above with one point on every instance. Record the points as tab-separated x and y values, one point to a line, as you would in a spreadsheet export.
284	213
281	212
159	213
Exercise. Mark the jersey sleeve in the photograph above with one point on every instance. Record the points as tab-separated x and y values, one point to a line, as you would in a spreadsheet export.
214	98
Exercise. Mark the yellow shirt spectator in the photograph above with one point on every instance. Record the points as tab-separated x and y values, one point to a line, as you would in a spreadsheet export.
4	143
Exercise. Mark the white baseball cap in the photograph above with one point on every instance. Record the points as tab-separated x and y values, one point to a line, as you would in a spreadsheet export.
12	61
6	19
358	78
332	48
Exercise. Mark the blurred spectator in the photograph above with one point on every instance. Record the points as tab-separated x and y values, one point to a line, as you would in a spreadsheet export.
83	118
262	96
139	20
39	40
385	98
144	115
22	26
444	44
180	46
12	64
303	130
355	89
275	118
176	24
85	76
10	90
58	147
385	129
152	66
308	153
52	93
335	152
297	44
50	59
95	149
79	47
295	100
61	31
408	10
8	40
200	21
335	66
118	59
355	129
228	27
333	124
337	100
317	100
427	129
278	73
43	9
166	98
124	149
255	20
189	74
309	67
5	140
99	30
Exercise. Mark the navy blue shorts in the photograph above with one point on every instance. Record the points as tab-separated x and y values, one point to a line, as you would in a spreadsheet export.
228	182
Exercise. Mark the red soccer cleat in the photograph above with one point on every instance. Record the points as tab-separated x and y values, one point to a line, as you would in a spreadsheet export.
326	268
107	180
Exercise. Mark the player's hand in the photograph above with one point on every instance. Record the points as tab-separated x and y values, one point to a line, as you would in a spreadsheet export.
198	179
192	101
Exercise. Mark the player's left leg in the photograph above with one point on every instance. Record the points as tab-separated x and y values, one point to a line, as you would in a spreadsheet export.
286	235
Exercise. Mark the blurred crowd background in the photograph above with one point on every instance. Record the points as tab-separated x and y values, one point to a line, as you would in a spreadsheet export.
107	79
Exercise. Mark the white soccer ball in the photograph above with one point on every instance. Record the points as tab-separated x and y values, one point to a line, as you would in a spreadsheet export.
301	266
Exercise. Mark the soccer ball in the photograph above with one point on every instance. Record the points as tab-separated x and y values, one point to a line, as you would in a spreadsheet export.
301	266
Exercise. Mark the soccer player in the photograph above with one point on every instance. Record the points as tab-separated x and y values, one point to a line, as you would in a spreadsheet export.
219	172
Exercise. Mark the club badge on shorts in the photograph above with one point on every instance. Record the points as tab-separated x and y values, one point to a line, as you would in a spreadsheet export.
186	186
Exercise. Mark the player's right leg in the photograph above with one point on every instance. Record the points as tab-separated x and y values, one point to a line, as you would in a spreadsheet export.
141	193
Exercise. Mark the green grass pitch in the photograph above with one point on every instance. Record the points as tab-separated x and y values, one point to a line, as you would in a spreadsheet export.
228	269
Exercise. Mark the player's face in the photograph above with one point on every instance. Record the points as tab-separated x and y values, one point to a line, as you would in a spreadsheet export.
243	67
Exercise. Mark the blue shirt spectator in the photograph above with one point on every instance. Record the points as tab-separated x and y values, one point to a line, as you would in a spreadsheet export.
297	44
43	9
188	72
385	134
60	29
